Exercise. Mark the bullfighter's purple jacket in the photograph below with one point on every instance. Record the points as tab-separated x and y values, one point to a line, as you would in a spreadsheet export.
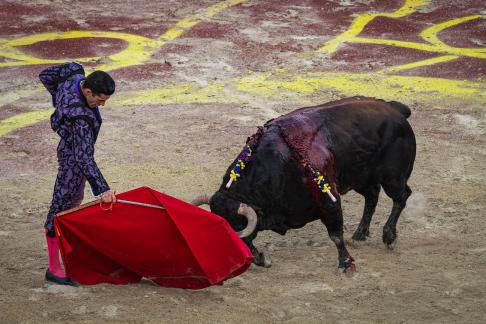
78	125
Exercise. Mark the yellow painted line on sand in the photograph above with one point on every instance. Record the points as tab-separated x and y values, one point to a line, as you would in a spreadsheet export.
427	62
430	35
362	20
188	22
9	97
22	120
434	44
383	86
138	51
183	94
270	85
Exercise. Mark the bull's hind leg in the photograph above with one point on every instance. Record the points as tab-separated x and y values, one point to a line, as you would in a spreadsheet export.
399	193
371	194
396	168
332	218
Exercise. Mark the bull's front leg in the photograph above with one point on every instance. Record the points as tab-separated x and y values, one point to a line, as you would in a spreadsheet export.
333	220
258	258
346	261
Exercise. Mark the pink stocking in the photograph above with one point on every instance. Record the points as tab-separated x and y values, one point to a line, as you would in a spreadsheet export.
53	257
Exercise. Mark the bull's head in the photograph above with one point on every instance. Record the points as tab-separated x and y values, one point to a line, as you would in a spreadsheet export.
230	209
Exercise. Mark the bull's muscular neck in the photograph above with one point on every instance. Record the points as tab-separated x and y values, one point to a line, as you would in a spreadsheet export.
308	143
321	179
284	145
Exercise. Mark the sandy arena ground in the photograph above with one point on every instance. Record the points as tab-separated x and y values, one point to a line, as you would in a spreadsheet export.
195	78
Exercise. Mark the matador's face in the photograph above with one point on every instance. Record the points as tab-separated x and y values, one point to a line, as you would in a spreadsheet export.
95	100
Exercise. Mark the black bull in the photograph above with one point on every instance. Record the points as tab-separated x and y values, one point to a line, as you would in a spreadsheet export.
363	144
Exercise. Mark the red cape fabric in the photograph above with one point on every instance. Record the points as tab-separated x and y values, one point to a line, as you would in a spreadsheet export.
182	246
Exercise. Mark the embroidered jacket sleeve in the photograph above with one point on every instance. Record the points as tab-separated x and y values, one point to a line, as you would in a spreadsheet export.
49	78
55	75
83	148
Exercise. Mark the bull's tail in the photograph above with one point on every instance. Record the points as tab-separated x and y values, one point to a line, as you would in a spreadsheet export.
403	109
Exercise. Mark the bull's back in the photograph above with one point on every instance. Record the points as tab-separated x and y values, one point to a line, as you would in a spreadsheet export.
371	118
360	132
357	120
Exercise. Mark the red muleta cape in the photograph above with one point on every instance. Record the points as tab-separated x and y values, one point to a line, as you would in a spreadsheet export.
180	246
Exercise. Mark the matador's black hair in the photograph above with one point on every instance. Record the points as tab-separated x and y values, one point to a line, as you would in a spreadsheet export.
100	83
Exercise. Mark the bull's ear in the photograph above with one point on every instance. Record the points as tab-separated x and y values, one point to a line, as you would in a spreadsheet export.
247	139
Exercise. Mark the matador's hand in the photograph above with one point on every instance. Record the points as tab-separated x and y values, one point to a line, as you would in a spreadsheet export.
108	197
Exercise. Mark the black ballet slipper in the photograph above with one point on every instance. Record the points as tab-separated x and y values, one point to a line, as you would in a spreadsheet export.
60	280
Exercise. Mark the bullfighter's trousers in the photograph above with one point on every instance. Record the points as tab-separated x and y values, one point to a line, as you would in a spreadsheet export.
69	187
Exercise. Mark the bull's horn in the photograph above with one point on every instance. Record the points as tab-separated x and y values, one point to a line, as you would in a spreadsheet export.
251	216
201	200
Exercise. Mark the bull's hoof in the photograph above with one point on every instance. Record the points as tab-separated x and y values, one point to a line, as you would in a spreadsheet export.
392	245
267	263
389	236
261	261
349	271
346	266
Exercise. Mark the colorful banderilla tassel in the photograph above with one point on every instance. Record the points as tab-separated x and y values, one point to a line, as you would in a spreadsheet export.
318	178
243	158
